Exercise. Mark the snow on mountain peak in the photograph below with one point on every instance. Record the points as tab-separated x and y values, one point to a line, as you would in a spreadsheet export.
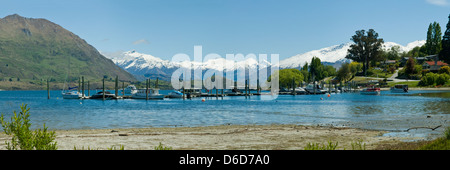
337	53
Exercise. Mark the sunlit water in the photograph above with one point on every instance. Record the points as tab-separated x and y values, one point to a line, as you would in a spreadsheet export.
391	112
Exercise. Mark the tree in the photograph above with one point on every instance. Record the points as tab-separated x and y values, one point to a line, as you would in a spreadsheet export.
367	48
287	75
314	68
433	43
409	67
344	72
445	52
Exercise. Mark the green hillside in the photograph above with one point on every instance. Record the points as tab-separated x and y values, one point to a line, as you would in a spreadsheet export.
37	49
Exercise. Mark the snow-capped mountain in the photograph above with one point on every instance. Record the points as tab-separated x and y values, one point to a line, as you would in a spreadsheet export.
337	53
148	66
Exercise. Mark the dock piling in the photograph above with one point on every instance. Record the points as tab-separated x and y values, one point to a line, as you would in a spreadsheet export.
48	90
82	86
116	87
103	88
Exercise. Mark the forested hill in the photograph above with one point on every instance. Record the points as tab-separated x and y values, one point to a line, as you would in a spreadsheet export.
37	49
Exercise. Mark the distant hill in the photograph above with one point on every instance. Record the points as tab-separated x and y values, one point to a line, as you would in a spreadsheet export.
37	49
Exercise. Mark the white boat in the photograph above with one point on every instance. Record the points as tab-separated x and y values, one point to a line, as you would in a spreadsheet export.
130	90
399	88
152	94
300	90
319	90
371	91
71	95
175	94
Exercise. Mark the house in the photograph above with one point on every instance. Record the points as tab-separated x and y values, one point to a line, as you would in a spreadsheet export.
420	60
433	66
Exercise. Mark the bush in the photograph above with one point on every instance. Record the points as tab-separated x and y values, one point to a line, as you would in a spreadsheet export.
444	69
431	79
22	137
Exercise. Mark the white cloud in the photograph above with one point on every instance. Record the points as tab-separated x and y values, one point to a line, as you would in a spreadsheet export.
141	41
438	2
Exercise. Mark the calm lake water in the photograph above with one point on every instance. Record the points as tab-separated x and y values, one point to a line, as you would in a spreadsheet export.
392	112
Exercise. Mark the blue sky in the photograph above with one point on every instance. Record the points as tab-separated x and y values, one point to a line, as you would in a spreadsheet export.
164	28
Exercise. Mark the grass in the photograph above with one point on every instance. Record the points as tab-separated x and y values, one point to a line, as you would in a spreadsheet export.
357	145
442	143
409	83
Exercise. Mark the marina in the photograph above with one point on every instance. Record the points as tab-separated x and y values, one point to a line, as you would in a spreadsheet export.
388	111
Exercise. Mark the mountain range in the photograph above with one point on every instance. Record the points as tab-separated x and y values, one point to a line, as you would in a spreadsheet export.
38	49
147	66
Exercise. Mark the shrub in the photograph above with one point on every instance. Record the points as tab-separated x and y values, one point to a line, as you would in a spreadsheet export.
162	147
444	69
22	137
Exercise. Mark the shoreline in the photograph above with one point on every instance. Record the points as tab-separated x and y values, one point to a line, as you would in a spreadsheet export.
222	137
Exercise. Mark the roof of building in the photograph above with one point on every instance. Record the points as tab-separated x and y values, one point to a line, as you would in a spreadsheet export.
439	63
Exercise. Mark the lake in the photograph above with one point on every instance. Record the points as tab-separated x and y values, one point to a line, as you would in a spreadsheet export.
391	112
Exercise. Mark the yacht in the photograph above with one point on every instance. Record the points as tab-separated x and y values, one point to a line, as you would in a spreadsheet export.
71	95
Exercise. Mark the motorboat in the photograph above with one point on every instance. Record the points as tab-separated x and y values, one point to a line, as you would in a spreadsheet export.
318	89
175	94
371	91
150	94
300	90
399	88
99	95
71	95
130	90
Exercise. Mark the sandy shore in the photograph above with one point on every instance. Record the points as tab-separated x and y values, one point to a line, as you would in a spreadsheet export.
226	137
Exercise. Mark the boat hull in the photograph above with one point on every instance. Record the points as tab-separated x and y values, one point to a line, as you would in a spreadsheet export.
71	96
159	97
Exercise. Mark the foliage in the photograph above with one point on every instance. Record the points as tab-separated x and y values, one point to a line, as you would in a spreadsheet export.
367	48
162	147
391	54
317	146
344	72
445	52
22	137
347	71
287	75
358	145
433	43
442	143
444	69
409	67
433	79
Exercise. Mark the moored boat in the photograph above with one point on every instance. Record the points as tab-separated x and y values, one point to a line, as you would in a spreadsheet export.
130	90
71	95
99	95
175	94
371	91
152	94
399	88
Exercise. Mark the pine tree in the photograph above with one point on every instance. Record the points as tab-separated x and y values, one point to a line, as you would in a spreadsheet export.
434	34
445	52
429	42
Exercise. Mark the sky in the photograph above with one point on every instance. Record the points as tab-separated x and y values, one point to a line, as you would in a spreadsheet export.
164	28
